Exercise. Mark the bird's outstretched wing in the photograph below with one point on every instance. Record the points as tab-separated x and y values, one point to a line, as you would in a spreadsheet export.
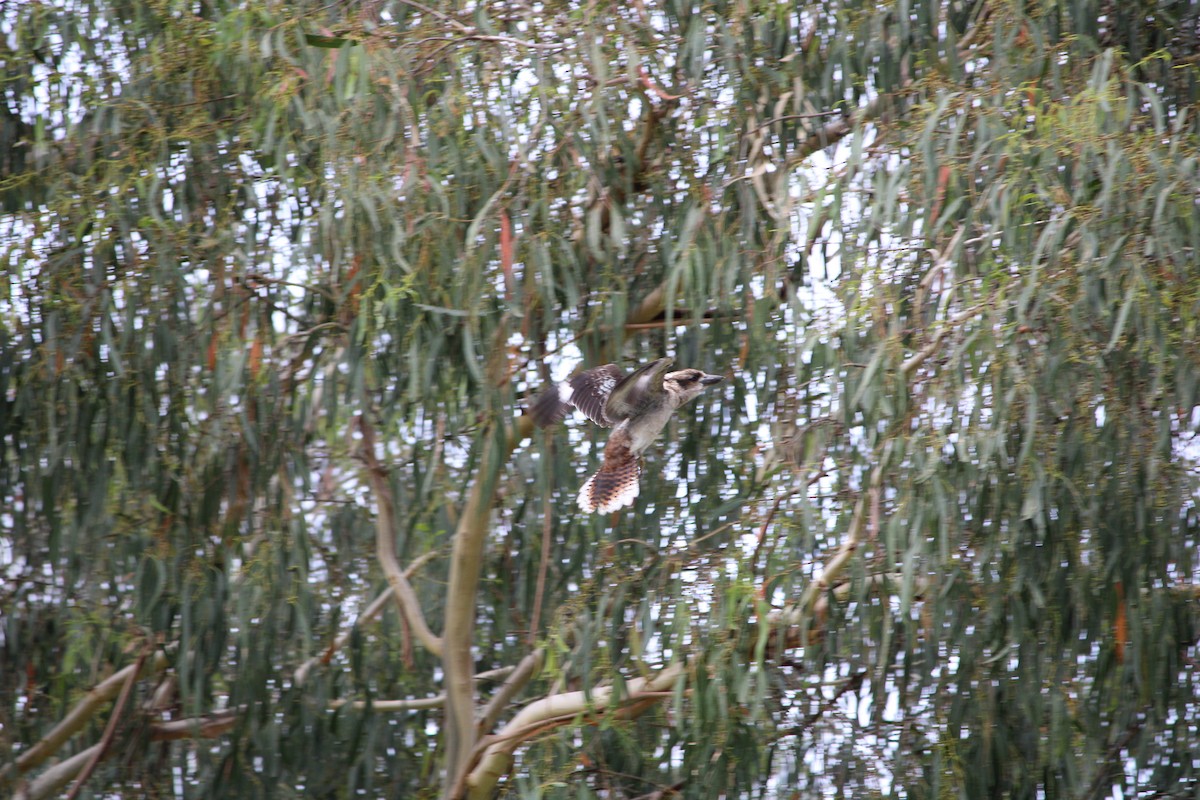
637	391
589	391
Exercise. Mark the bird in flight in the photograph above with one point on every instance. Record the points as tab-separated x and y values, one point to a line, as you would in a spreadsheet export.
636	406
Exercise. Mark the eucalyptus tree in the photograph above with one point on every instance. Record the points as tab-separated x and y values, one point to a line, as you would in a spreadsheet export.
281	277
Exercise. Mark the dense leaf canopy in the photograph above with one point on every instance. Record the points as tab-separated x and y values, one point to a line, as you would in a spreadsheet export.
280	278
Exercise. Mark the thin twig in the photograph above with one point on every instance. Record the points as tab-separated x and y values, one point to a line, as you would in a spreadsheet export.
439	14
918	358
1113	755
786	117
407	704
369	613
851	684
665	791
762	533
494	674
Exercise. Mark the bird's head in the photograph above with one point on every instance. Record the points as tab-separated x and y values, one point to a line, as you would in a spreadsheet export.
685	384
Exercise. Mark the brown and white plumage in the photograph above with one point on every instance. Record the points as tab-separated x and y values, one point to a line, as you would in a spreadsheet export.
636	406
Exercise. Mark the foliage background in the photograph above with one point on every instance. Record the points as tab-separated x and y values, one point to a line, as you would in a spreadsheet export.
280	276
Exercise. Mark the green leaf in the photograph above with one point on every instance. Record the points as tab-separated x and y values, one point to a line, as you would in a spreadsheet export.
328	42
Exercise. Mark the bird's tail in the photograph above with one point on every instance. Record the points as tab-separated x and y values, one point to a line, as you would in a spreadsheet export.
614	486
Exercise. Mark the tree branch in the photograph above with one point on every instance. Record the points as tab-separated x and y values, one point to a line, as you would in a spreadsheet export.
79	715
651	306
466	561
110	730
53	779
420	703
209	726
57	776
837	563
530	666
385	543
535	618
814	602
554	711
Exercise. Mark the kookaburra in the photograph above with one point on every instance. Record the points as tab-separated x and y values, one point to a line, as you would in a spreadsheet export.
636	406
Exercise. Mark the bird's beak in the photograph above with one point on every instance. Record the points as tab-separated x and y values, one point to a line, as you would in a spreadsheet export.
709	380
